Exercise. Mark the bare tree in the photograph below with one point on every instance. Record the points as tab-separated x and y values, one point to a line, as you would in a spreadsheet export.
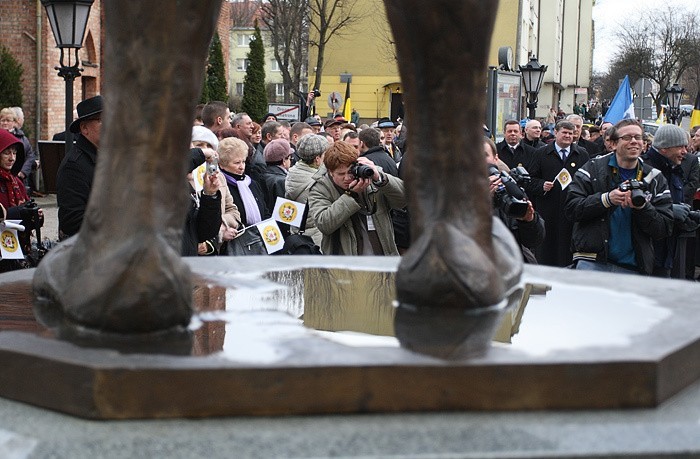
243	13
287	23
661	46
328	18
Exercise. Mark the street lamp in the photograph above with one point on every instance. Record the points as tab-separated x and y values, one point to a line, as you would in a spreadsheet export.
533	75
68	19
674	93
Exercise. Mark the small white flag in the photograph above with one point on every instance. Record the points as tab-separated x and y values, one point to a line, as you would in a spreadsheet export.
271	235
9	243
289	212
198	177
564	178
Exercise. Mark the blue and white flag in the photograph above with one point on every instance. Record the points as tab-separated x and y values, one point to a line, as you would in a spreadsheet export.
622	105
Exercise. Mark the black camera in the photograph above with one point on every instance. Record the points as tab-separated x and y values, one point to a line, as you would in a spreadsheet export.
509	196
361	171
637	188
317	93
31	218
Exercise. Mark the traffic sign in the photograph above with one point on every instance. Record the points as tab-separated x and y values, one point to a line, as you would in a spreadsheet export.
289	112
335	100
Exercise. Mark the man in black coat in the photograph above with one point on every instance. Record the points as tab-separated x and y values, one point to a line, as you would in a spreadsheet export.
562	158
372	149
77	170
511	150
591	148
533	131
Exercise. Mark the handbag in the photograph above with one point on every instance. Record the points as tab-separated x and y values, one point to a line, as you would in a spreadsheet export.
248	242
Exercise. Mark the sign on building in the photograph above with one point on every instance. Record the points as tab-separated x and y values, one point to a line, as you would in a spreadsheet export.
289	112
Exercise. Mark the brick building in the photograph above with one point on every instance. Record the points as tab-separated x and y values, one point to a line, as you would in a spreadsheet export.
25	31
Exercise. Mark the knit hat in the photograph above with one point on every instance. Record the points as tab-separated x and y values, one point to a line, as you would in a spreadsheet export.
670	135
203	134
276	151
311	146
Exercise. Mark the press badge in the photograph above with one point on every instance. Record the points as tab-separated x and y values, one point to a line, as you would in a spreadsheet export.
370	223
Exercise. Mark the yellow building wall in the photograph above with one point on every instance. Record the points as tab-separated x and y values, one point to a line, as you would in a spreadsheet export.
364	50
505	30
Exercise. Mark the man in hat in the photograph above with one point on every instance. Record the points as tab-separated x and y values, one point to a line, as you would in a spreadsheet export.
387	127
667	152
76	172
332	126
314	123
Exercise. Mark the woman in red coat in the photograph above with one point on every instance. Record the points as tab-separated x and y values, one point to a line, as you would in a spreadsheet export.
13	194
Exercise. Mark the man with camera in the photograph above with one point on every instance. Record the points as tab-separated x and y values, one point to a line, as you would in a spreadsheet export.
619	206
667	153
351	202
512	206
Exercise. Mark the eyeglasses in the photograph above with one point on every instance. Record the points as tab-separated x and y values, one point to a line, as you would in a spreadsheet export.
629	137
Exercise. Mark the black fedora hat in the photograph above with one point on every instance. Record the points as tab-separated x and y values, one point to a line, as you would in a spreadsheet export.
385	123
86	109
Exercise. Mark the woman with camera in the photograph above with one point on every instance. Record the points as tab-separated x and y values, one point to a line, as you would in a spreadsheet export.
14	201
351	202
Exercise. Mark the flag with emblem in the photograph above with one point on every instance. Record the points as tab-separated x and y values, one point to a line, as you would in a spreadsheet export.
271	235
289	212
9	243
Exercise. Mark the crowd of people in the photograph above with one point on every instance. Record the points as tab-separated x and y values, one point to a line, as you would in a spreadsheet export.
597	197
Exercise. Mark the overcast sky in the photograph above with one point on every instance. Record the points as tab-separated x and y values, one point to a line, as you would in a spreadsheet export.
609	14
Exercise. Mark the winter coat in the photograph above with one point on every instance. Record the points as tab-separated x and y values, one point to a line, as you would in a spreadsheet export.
332	209
546	165
73	185
203	221
297	186
591	232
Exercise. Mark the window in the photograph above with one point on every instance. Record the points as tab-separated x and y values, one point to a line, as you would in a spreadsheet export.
244	39
274	66
239	89
279	89
242	65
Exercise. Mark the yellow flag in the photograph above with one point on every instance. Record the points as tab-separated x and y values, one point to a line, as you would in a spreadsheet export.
347	108
695	116
661	118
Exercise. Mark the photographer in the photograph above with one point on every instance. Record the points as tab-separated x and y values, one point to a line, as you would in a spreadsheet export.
351	202
527	227
614	229
14	202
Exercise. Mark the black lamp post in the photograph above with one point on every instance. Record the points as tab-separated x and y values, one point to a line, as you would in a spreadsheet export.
533	75
674	93
68	19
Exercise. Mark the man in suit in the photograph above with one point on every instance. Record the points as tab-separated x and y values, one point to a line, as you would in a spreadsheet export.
551	171
512	150
591	147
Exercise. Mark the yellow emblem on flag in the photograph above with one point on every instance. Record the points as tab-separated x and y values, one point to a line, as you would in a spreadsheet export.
9	241
288	212
272	235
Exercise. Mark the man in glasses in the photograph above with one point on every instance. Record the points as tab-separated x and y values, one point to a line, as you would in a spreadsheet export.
619	206
76	172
